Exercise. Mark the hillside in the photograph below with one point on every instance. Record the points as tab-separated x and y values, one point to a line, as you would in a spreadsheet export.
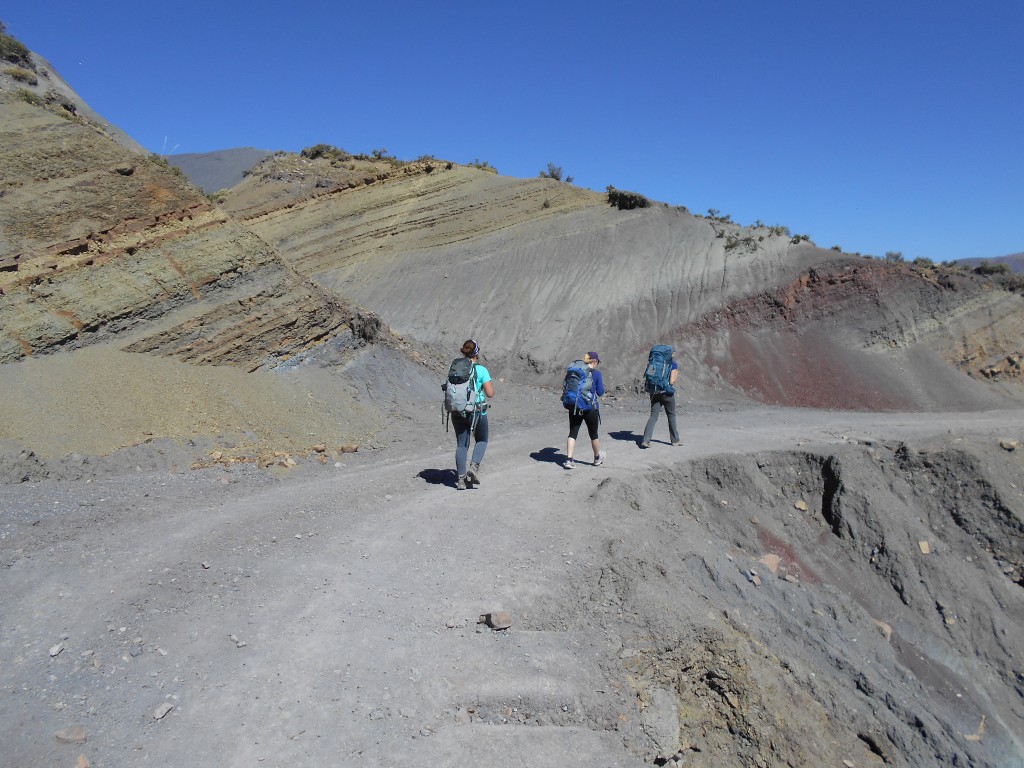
542	270
106	253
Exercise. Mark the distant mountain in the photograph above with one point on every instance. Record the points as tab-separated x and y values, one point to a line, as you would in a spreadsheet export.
1015	261
214	171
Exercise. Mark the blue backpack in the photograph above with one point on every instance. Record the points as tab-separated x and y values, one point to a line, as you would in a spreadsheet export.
659	369
578	387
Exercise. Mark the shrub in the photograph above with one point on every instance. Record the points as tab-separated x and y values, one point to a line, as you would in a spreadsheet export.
483	165
626	201
326	151
732	242
921	261
381	154
988	268
13	50
894	256
27	96
778	229
555	172
716	215
22	75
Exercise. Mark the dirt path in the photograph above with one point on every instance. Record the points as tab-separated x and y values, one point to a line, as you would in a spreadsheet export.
330	618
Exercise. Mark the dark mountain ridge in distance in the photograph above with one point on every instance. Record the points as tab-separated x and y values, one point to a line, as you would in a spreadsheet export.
214	171
1014	261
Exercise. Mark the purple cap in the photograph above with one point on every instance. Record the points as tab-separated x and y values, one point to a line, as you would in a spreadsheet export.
592	357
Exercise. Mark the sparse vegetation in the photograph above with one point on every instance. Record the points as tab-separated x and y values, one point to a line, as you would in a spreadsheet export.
894	256
162	162
988	268
748	243
555	172
22	75
837	248
14	51
381	154
716	215
326	151
922	262
27	96
483	165
797	239
778	229
626	201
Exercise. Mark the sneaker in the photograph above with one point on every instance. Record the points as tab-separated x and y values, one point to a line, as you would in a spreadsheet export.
461	484
473	474
599	459
677	442
569	464
645	445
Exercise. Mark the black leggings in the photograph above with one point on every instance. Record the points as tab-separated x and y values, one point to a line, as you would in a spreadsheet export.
591	417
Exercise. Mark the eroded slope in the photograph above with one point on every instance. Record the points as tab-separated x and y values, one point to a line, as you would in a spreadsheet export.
104	246
540	271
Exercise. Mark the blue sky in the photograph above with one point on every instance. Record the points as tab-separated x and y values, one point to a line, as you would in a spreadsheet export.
875	126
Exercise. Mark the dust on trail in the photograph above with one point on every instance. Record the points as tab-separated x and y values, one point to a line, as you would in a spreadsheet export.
331	615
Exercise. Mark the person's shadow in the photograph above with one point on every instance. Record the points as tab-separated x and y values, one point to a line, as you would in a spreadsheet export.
439	476
550	455
626	434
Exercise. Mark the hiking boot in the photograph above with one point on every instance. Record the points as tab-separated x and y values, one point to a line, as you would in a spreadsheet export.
569	464
473	474
599	459
461	484
645	445
677	442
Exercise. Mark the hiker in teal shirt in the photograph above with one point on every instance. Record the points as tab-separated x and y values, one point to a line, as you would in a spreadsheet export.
472	425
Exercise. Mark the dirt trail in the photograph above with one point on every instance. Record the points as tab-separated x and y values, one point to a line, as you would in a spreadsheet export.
330	617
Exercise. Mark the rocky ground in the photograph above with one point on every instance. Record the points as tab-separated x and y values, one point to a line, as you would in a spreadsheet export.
789	587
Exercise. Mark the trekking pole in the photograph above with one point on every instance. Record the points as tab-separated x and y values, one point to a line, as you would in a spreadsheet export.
472	422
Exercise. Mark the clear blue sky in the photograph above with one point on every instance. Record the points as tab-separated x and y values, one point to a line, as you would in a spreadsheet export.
874	125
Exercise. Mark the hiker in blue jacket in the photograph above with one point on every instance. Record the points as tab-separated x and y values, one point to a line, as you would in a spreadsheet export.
590	416
666	400
472	425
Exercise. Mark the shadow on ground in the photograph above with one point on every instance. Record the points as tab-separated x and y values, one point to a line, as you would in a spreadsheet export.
550	455
438	476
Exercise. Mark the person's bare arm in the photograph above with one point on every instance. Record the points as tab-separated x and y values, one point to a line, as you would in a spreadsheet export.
488	389
673	376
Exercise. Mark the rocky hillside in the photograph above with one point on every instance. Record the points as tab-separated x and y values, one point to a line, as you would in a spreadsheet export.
540	271
103	245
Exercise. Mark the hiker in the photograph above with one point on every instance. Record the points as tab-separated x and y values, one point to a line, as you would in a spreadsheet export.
472	423
585	407
660	380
